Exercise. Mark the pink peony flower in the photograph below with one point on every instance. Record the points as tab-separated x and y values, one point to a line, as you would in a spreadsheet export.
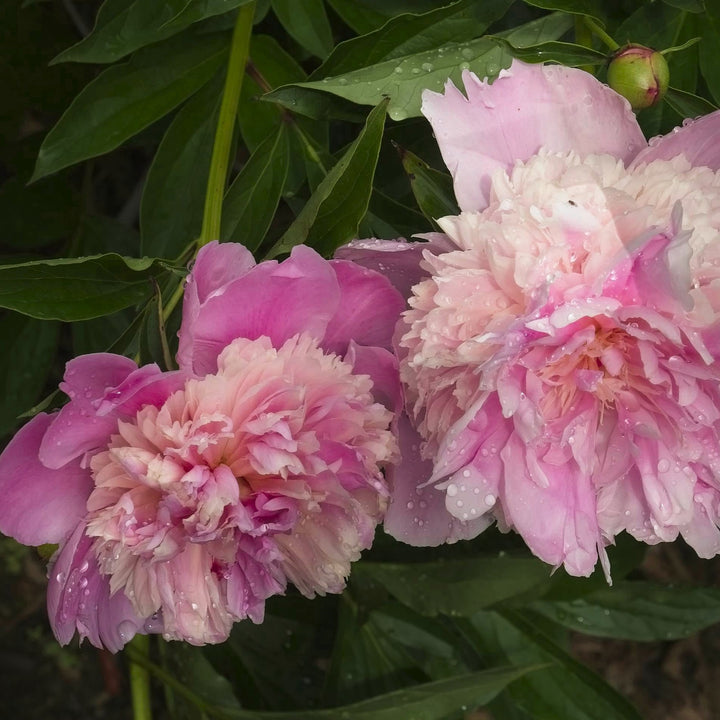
181	501
561	360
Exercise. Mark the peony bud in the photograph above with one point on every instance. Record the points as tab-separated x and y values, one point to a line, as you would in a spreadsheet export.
639	74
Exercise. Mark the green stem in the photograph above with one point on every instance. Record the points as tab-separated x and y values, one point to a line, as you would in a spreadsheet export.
140	679
226	125
597	30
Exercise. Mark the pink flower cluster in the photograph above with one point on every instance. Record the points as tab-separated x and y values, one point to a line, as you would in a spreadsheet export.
559	361
561	354
183	500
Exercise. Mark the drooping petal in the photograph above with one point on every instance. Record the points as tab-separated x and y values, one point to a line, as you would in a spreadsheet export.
39	505
417	514
697	140
367	312
527	108
79	598
558	522
277	300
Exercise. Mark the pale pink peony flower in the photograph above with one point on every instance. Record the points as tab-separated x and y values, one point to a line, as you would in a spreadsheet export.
560	361
181	501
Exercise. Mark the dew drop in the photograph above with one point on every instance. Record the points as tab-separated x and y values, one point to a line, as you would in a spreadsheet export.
489	500
452	490
126	630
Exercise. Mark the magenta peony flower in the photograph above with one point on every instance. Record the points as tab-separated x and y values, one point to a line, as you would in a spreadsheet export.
561	359
182	500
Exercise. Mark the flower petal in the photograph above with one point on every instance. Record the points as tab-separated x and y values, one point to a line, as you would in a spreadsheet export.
79	598
215	266
697	140
558	522
39	505
527	108
398	260
417	514
277	300
368	310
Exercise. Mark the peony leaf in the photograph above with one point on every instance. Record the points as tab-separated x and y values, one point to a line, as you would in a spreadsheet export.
458	587
567	689
560	52
123	26
29	348
77	288
591	8
252	199
307	23
688	105
333	213
402	80
173	198
361	19
639	611
127	98
413	33
433	190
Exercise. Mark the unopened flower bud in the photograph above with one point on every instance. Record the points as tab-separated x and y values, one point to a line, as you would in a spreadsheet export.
639	74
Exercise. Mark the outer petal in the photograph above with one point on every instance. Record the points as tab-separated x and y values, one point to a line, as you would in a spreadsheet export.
79	598
278	300
88	377
398	260
417	514
382	367
39	505
558	522
558	108
215	267
697	140
368	310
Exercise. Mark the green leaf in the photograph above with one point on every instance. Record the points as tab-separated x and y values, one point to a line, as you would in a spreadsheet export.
410	34
592	8
403	80
433	190
688	105
567	689
307	23
637	611
258	121
386	218
77	288
365	662
429	701
252	199
693	6
710	60
657	26
559	52
544	29
174	195
127	98
333	213
360	18
29	349
458	587
123	26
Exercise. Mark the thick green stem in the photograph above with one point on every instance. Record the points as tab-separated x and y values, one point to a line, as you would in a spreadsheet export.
599	32
226	125
140	680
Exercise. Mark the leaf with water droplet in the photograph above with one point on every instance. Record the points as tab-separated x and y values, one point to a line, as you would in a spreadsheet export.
369	85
